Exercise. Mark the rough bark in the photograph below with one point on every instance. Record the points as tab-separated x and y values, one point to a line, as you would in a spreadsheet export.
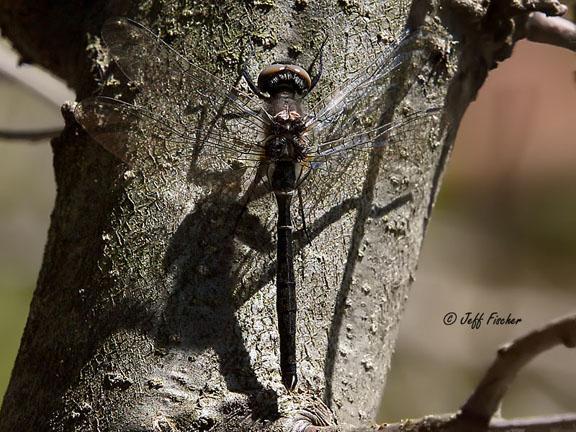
146	316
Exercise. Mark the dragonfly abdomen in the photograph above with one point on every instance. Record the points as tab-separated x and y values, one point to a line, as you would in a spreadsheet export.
286	292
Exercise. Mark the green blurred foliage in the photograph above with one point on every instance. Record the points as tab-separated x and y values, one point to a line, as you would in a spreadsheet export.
26	198
14	303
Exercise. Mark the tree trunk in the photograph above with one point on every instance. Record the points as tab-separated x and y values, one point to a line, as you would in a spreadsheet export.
147	315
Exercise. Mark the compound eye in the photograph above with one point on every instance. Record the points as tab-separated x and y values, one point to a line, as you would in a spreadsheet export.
267	74
276	76
302	74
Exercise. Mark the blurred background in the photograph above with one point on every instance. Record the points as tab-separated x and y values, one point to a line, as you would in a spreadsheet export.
502	237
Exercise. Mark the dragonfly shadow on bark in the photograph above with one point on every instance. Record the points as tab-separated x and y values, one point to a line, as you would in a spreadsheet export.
365	211
302	238
200	314
201	311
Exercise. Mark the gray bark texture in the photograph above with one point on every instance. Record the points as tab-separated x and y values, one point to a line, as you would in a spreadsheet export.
147	315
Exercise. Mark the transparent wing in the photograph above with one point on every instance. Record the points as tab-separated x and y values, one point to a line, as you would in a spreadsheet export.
333	151
337	172
352	123
167	76
179	107
348	110
134	133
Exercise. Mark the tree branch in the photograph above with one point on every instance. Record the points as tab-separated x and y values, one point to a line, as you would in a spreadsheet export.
39	81
477	412
447	423
40	135
486	399
555	31
559	423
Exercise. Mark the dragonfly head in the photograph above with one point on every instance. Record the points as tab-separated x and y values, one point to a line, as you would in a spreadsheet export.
284	77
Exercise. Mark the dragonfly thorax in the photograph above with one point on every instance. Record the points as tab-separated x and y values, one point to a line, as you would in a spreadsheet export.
285	150
286	137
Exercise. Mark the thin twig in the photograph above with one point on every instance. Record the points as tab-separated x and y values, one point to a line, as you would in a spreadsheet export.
450	423
555	31
41	82
557	423
476	414
30	135
486	399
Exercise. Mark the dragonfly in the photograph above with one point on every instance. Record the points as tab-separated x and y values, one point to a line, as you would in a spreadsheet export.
264	125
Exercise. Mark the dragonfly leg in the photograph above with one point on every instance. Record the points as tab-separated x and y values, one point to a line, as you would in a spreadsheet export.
253	87
244	71
303	216
318	59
